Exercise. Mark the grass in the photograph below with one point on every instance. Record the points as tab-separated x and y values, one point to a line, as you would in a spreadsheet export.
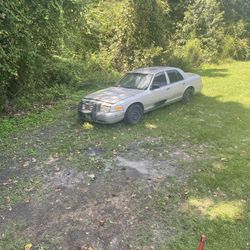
15	191
218	203
215	201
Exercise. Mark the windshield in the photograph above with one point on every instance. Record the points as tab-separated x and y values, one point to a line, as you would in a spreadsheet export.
135	81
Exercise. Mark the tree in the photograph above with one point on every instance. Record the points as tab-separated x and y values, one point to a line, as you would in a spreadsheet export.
32	31
236	10
142	27
204	20
29	32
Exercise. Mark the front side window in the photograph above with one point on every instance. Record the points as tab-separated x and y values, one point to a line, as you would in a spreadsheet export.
174	76
159	81
135	81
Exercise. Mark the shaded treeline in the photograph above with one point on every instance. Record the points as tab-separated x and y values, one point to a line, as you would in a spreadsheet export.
45	44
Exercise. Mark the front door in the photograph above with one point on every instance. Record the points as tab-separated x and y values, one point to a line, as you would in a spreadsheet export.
157	95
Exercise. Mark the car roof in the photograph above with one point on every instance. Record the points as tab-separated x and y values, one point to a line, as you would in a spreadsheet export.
152	70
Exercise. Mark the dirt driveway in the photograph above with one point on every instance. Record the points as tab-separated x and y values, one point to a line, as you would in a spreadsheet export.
129	200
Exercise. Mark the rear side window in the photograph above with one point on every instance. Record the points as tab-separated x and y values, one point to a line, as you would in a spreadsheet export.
174	76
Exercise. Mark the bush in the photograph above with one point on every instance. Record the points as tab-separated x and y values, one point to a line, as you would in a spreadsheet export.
38	100
100	67
228	47
185	56
65	70
236	43
148	57
180	62
193	52
241	49
235	48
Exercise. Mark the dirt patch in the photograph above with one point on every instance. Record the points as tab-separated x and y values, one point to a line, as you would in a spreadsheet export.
150	168
109	209
93	151
152	164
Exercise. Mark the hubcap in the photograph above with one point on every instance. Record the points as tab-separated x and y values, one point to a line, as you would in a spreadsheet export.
189	95
136	115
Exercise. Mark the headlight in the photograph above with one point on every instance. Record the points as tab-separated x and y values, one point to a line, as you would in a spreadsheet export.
105	108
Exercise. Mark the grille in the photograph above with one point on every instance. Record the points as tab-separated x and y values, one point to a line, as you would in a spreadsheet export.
90	106
87	105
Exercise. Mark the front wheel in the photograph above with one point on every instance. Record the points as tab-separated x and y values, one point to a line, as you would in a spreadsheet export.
188	95
133	114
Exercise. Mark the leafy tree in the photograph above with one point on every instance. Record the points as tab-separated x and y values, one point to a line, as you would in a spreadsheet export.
204	20
142	27
236	10
29	32
237	18
177	11
32	31
44	43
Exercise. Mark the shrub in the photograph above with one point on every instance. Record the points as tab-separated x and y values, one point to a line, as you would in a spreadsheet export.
39	99
148	57
241	49
193	52
235	48
228	47
65	70
100	67
180	62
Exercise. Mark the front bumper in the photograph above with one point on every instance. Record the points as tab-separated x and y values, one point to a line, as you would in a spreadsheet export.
100	117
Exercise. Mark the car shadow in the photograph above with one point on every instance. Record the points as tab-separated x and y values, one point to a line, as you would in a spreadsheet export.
226	115
214	72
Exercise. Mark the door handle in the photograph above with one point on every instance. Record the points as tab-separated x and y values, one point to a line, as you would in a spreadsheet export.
167	89
183	83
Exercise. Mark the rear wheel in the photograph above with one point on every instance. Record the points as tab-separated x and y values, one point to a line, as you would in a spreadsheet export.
133	114
188	95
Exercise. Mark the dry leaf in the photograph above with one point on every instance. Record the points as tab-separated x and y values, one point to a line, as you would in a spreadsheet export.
102	222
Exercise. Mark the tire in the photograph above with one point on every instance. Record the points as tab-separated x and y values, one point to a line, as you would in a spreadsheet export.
133	114
188	95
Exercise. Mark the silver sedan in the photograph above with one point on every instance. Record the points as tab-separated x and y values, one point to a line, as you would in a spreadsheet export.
138	92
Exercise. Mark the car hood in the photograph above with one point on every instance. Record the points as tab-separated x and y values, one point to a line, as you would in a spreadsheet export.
113	94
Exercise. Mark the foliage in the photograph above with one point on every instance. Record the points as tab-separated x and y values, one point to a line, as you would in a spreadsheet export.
193	52
141	27
148	57
100	67
235	48
25	44
31	32
46	43
236	10
204	20
179	61
236	45
213	130
65	70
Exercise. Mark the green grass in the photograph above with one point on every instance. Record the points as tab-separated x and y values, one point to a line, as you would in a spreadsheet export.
216	199
218	203
17	190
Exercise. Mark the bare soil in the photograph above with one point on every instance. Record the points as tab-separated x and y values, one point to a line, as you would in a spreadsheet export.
115	207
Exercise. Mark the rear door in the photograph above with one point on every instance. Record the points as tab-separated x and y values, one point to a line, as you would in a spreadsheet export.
176	85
